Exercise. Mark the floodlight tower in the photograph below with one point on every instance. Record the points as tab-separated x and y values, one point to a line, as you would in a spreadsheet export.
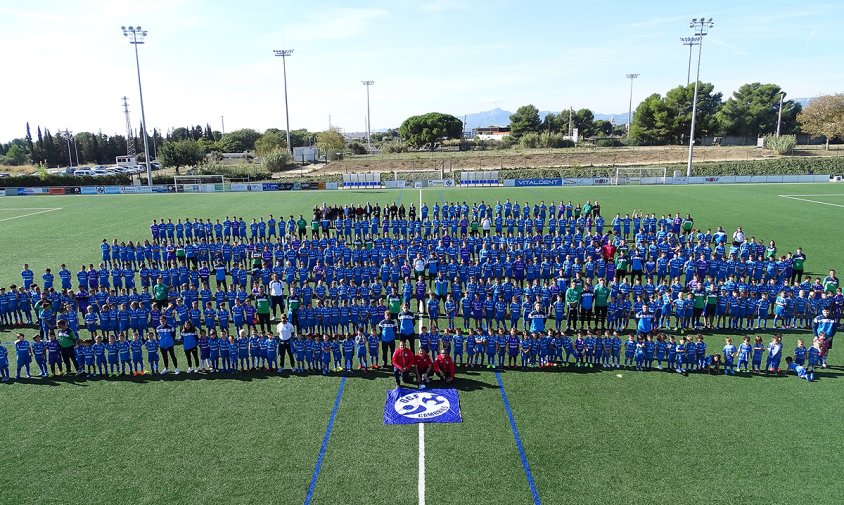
368	120
130	138
630	107
284	53
136	37
701	27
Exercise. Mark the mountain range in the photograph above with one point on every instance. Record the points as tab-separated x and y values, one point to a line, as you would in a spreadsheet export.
501	117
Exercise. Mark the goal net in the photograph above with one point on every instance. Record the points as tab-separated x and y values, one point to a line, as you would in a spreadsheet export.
640	175
197	183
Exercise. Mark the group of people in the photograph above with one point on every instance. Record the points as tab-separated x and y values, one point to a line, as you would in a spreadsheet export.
490	276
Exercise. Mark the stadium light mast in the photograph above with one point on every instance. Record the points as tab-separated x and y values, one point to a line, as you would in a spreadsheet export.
284	53
630	107
701	27
779	113
689	41
67	135
368	118
136	37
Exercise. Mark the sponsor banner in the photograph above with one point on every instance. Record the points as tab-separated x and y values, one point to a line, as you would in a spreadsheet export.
331	185
395	184
88	190
602	181
586	181
143	189
161	188
56	191
548	181
711	180
73	190
32	191
306	185
413	406
112	190
239	186
679	180
219	188
128	190
257	187
269	187
286	186
569	182
509	183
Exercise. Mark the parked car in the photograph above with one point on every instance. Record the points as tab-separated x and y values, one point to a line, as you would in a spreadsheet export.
98	172
83	173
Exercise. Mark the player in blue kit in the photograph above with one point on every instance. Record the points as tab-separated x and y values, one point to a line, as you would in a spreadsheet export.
758	350
137	348
774	354
661	349
372	342
512	343
729	351
235	351
4	364
525	345
629	351
299	353
700	353
325	346
800	353
39	352
348	346
270	348
124	352
744	352
361	347
799	370
458	343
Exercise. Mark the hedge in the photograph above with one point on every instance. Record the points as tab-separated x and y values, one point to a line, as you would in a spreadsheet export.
28	181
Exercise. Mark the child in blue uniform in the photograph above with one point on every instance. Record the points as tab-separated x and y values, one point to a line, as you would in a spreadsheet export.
137	348
152	351
797	369
800	352
758	350
4	364
23	354
457	343
113	355
326	345
729	356
39	351
774	354
125	354
361	347
348	346
100	350
744	352
272	343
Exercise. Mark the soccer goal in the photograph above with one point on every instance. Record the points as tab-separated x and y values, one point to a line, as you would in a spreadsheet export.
640	175
197	183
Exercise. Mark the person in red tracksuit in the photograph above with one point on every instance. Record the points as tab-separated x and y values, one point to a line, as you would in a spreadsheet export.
424	366
404	363
444	366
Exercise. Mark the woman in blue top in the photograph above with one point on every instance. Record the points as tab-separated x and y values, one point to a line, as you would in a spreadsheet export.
189	343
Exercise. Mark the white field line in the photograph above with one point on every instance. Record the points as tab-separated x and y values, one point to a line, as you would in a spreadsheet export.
812	201
421	463
42	211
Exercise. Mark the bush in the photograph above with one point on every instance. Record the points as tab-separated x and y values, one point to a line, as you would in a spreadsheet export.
277	160
242	171
608	143
544	140
783	144
393	148
45	179
357	148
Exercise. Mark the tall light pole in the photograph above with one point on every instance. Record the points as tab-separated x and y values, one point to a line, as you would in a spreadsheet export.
67	135
701	27
368	119
779	114
630	107
136	37
689	41
284	53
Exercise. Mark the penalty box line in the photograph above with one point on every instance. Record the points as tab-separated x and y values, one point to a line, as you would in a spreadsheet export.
324	446
38	210
519	445
809	200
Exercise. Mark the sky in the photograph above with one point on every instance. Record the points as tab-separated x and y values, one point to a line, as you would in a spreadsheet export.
67	63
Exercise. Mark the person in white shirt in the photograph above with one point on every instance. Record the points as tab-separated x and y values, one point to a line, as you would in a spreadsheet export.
285	332
738	237
276	295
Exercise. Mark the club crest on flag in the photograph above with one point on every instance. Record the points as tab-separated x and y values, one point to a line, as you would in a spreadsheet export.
408	406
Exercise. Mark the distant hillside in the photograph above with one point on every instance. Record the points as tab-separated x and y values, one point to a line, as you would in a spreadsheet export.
501	117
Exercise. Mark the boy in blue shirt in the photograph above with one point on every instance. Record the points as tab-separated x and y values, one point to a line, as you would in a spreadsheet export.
744	352
152	351
4	364
798	369
23	355
729	356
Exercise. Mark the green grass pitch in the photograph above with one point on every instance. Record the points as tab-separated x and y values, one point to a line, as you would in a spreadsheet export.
615	437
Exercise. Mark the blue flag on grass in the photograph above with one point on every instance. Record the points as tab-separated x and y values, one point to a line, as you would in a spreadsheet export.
411	406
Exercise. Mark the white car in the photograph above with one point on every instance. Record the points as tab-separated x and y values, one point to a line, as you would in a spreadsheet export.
83	173
99	172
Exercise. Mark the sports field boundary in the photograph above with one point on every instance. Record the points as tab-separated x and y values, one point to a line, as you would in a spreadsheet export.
324	446
38	210
799	197
519	446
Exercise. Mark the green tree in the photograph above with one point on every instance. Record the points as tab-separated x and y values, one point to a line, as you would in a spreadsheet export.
239	141
181	153
16	155
668	119
753	110
271	140
428	129
824	116
524	120
277	160
649	120
330	142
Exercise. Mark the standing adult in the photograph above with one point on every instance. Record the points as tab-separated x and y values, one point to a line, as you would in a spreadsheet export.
189	345
67	341
825	324
602	294
276	295
407	327
404	363
166	343
388	338
285	332
798	261
738	237
262	308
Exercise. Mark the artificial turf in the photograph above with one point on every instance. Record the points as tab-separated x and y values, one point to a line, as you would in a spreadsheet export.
589	436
